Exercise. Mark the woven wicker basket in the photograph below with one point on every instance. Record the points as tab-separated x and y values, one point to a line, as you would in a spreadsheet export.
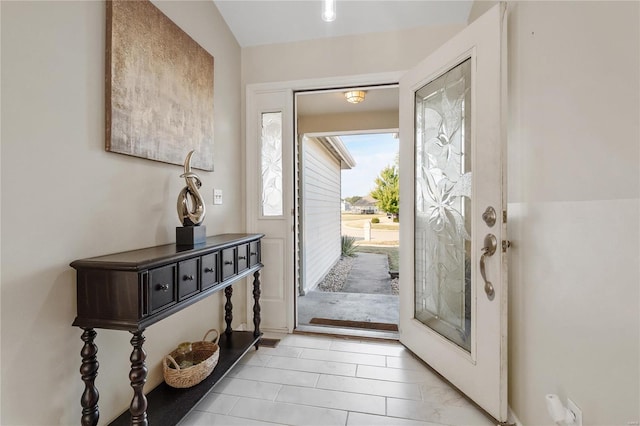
206	355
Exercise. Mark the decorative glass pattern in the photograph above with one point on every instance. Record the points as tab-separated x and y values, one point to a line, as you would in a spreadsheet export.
271	163
443	205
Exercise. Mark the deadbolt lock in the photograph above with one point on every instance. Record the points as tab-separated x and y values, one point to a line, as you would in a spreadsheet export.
489	216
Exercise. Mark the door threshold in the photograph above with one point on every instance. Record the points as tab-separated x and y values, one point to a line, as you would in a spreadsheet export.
347	332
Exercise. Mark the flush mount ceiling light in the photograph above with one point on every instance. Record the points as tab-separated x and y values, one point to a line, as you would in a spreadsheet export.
328	10
355	96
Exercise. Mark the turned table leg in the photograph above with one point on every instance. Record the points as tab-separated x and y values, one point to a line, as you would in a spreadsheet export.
256	306
138	377
89	371
228	309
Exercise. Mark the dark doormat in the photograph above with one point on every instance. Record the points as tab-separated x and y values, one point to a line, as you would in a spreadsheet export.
355	324
268	343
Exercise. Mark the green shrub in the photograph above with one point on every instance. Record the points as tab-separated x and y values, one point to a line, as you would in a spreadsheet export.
348	246
375	220
396	219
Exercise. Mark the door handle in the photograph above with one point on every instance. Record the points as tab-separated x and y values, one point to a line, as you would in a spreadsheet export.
490	245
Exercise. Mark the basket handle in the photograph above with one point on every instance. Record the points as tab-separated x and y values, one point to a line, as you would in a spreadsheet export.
207	333
173	361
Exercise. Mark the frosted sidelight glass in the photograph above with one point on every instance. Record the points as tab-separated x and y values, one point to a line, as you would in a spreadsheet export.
443	205
271	163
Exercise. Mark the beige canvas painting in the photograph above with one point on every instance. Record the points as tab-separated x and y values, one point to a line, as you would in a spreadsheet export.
159	87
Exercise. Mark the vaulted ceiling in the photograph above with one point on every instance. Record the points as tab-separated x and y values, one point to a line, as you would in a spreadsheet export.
262	22
258	22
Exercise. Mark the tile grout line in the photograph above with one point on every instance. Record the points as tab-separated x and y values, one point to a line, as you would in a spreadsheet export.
369	394
307	371
232	405
277	393
381	359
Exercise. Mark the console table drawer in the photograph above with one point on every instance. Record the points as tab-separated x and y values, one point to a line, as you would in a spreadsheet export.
162	287
254	253
228	263
188	278
209	270
243	257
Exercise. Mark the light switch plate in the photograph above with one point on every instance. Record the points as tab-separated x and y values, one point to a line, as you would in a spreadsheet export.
217	196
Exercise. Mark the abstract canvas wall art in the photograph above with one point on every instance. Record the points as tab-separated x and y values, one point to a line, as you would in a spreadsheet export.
159	87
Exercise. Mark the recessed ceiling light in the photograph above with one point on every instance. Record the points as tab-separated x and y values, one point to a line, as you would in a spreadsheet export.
328	10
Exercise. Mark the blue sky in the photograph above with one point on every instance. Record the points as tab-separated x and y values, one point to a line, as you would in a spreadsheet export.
372	153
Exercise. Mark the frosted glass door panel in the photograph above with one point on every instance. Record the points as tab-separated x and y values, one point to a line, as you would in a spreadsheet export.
271	161
443	205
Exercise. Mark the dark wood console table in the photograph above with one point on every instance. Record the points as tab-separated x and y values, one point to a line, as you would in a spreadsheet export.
132	290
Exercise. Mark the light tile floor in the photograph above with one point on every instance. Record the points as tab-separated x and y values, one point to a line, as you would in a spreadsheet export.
318	380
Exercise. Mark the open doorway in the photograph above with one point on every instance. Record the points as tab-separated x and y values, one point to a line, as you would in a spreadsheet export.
347	213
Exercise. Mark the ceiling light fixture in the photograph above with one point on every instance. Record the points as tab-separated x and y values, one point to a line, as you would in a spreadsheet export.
355	96
328	10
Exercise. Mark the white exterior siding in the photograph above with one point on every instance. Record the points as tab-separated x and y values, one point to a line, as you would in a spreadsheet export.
321	211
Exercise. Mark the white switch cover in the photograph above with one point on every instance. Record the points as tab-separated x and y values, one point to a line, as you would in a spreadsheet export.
217	196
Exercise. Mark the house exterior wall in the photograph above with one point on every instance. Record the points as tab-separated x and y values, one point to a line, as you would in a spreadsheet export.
64	198
574	184
321	210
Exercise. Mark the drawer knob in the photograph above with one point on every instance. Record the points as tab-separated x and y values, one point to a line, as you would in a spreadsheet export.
228	262
242	257
208	270
188	278
254	254
163	287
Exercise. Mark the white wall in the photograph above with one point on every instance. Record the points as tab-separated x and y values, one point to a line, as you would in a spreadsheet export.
574	184
64	198
348	122
321	208
340	56
479	7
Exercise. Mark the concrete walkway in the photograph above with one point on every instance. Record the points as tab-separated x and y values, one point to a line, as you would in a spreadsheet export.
366	295
348	307
369	274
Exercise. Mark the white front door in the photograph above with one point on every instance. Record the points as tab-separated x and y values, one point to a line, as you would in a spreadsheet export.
269	202
453	294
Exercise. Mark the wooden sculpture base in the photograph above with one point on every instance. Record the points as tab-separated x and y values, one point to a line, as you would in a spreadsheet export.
190	235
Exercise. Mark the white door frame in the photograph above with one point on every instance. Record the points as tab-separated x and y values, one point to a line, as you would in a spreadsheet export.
289	138
277	242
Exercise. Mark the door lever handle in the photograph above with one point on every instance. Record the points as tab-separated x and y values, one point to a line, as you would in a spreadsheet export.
490	246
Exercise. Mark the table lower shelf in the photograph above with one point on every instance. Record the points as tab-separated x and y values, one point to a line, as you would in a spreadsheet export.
167	405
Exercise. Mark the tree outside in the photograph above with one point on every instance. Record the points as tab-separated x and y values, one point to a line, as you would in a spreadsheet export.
387	190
